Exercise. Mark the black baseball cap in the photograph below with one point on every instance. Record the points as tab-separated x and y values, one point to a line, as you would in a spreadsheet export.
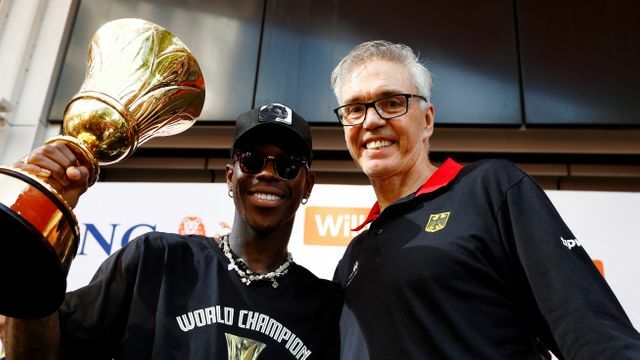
273	121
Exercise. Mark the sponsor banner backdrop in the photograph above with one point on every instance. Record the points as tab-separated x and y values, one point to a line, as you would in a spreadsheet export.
111	214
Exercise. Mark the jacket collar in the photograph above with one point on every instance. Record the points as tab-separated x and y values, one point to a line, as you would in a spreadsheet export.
440	178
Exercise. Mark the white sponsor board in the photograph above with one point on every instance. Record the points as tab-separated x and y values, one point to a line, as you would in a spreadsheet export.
111	214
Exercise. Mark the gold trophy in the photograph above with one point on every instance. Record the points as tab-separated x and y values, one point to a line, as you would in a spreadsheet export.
141	82
240	348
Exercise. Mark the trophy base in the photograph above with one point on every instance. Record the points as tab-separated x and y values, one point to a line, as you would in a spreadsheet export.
34	282
38	239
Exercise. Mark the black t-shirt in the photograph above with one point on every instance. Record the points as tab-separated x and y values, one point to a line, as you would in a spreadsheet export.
166	296
483	268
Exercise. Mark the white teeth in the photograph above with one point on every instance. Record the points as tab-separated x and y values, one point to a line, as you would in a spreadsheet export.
263	196
378	144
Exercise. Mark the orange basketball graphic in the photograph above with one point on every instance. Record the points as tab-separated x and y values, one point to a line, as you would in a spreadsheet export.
191	225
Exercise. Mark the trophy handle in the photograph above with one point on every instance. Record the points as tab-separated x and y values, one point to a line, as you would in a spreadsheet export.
85	158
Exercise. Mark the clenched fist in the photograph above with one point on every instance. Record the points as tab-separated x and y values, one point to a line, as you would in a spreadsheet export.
60	168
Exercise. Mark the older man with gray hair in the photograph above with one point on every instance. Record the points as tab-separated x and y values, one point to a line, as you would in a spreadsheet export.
458	262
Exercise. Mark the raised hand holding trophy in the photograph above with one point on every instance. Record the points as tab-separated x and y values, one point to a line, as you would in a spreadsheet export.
141	82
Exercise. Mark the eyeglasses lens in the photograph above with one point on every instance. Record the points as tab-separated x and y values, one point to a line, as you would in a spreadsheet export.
287	168
250	163
392	106
353	112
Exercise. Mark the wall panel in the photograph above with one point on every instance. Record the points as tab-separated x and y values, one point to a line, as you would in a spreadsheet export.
469	46
580	61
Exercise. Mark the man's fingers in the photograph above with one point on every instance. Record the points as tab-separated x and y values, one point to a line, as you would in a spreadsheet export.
59	153
34	169
57	162
71	158
73	173
56	158
43	161
78	173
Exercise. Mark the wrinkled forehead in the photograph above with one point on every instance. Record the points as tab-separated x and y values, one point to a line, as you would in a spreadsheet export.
374	79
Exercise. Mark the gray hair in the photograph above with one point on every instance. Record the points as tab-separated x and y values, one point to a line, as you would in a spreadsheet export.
387	51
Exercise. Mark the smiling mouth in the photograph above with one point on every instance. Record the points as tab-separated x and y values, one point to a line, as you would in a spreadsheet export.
378	144
268	197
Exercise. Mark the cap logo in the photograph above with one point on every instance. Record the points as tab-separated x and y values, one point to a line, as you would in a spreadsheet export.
275	112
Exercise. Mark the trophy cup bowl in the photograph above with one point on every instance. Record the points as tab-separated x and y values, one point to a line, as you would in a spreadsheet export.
141	82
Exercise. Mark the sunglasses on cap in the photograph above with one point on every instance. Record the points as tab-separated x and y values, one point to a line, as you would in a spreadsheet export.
287	167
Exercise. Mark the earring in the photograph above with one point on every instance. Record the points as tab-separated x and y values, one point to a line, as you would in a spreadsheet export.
230	193
304	200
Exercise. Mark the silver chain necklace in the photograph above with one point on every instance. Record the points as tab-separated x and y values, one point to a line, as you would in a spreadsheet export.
247	276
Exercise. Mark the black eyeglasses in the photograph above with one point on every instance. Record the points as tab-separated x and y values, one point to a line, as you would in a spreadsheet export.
387	107
287	167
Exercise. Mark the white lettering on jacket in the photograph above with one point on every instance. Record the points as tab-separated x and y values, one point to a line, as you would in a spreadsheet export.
246	319
570	243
